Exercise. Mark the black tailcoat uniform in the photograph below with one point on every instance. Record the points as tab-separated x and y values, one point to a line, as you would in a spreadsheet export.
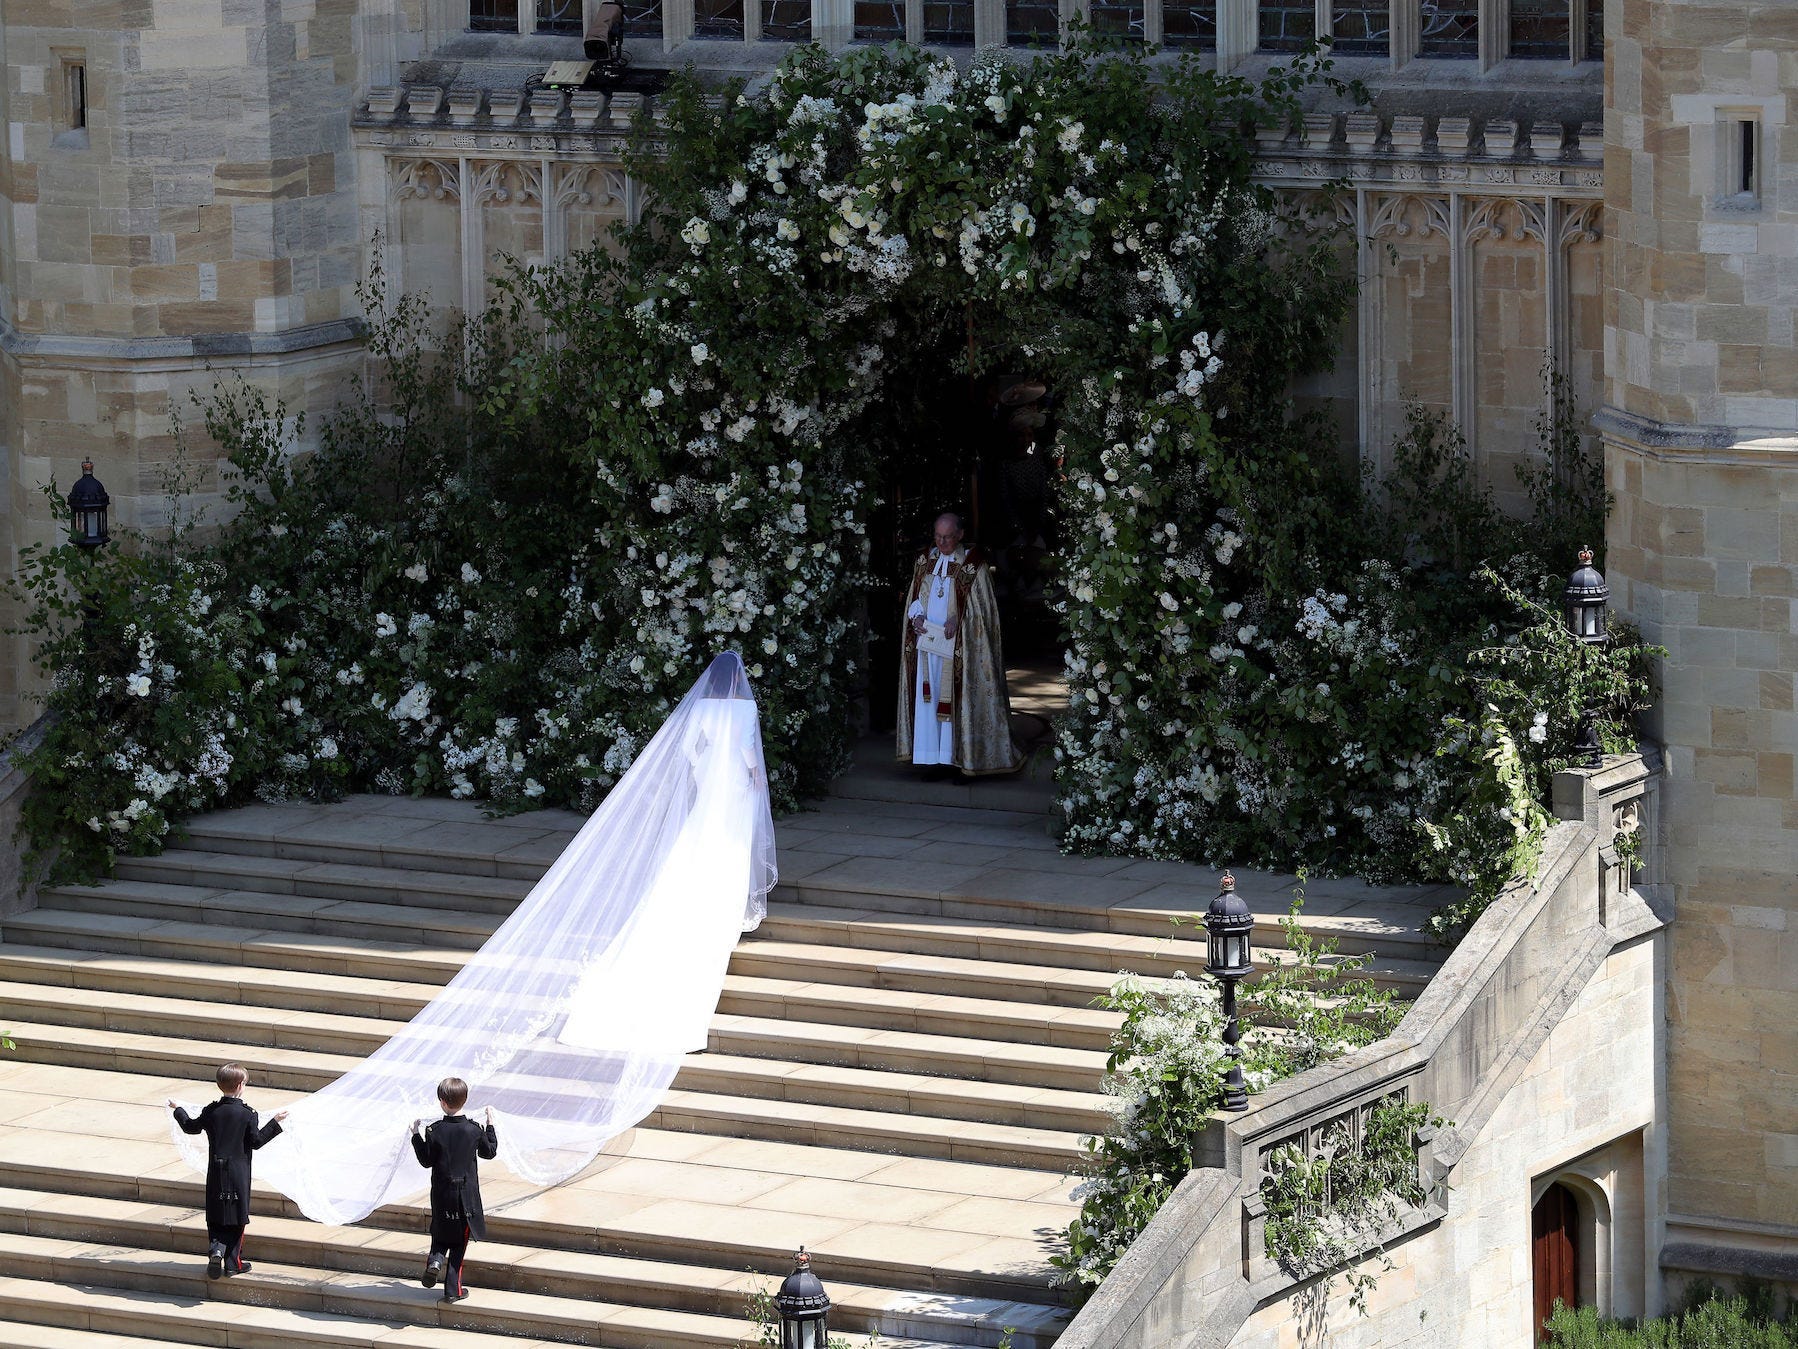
450	1147
232	1134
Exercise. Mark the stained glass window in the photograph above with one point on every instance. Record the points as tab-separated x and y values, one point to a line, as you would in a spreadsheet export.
1119	19
880	20
787	20
1189	23
1451	28
718	18
643	18
558	16
1287	25
1032	23
1595	30
1361	27
1541	29
493	16
949	23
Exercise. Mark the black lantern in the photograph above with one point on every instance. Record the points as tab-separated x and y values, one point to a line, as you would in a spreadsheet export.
87	507
1585	597
1228	928
803	1305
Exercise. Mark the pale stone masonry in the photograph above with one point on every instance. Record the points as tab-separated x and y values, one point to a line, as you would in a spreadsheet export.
1701	189
176	196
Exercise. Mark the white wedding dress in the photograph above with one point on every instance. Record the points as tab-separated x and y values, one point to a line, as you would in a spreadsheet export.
571	1022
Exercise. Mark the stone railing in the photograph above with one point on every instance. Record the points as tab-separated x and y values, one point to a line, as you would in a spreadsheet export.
1200	1269
16	897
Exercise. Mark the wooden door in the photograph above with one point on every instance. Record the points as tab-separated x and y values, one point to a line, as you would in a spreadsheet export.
1554	1250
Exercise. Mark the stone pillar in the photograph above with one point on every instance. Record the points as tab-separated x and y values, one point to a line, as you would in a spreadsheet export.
1701	432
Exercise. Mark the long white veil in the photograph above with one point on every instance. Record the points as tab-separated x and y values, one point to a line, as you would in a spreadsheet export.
571	1022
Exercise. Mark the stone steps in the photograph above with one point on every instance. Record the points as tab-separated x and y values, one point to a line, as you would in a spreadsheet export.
900	1066
568	1292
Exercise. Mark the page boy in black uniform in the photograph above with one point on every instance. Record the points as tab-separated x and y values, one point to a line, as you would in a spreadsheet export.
232	1134
450	1147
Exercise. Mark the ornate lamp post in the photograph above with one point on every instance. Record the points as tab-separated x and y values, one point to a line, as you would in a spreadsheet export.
1585	598
1228	927
87	508
803	1306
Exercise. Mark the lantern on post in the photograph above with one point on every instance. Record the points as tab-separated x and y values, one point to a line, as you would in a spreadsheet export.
803	1306
1585	598
87	508
1228	928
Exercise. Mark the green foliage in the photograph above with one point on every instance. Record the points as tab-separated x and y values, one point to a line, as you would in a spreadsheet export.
1165	1078
1712	1322
1340	1203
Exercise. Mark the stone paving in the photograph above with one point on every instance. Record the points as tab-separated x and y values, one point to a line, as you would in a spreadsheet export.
902	1062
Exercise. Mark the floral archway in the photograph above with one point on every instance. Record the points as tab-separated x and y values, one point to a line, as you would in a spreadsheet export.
504	559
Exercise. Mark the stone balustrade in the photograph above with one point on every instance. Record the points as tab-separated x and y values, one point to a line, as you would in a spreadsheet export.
1199	1272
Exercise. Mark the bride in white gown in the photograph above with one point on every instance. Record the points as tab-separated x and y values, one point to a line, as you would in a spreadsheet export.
571	1022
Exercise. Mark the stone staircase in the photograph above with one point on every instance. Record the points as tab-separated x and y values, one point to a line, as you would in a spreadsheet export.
901	1065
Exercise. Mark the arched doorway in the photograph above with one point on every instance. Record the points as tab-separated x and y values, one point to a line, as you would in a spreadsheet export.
1554	1252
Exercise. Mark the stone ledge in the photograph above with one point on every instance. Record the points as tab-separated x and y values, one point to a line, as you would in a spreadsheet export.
57	346
1711	443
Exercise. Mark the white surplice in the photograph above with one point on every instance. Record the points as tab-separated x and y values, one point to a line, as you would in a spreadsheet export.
933	741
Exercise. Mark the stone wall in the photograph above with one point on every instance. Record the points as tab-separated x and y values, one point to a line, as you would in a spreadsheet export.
1583	1113
1702	432
199	216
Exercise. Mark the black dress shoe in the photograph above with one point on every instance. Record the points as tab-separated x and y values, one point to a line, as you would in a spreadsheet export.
215	1261
433	1271
243	1267
453	1297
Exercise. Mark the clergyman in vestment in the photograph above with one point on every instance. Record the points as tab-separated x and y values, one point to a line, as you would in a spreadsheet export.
953	707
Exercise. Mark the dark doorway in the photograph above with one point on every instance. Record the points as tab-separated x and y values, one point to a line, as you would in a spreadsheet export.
980	445
1554	1252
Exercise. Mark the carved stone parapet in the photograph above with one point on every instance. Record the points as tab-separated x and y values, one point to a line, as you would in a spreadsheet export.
1546	139
1591	141
1453	135
1319	130
423	100
623	109
1620	801
1500	138
384	101
465	104
546	106
1407	135
1360	131
585	107
504	104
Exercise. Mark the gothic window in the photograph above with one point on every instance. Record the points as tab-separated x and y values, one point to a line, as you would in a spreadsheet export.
1361	27
1594	30
880	20
1032	23
493	16
787	20
718	18
1189	23
643	18
949	23
1541	29
1121	19
1450	28
558	16
1287	25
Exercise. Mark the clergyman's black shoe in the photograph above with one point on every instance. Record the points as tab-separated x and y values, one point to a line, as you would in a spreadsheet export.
433	1271
243	1267
215	1261
453	1297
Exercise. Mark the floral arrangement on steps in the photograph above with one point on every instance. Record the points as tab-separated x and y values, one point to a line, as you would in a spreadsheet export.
508	551
1165	1078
